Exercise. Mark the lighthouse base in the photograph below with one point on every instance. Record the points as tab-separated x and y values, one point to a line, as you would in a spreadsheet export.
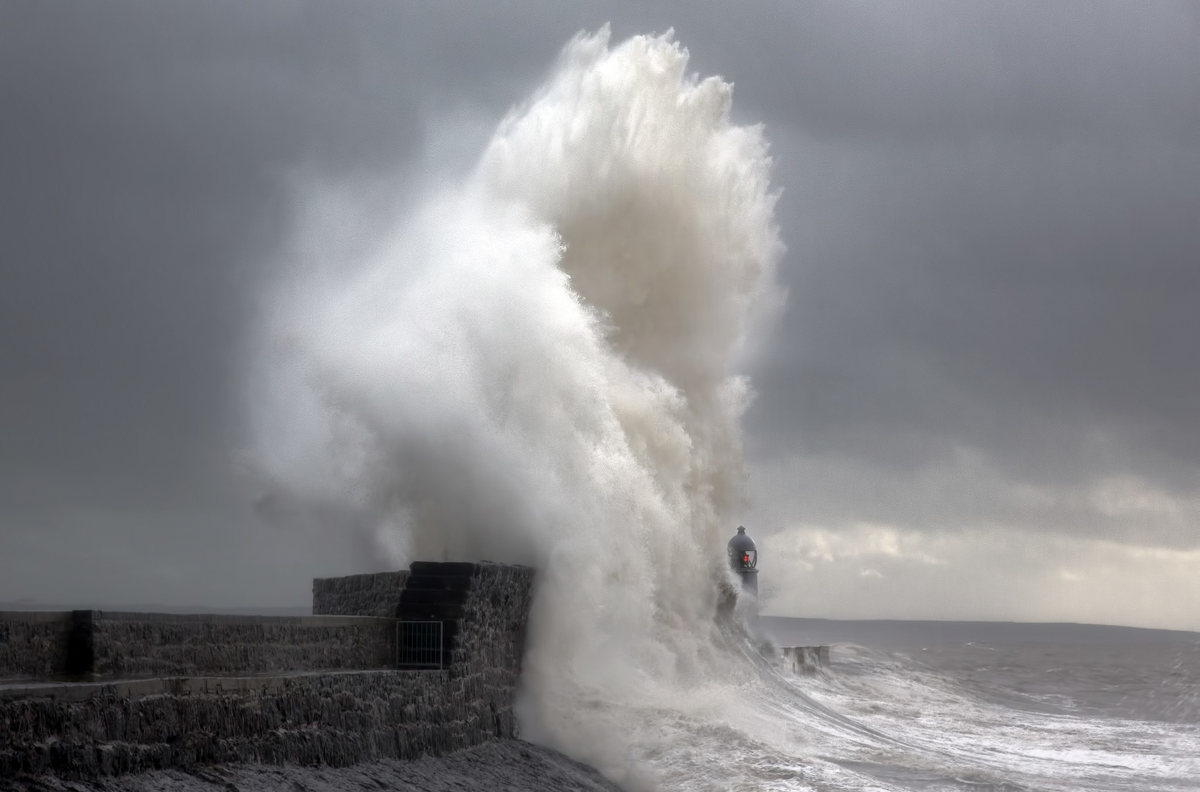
749	581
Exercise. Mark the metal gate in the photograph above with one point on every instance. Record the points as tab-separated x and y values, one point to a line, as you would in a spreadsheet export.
419	644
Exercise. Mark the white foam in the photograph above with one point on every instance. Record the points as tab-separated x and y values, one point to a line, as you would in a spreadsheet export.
537	365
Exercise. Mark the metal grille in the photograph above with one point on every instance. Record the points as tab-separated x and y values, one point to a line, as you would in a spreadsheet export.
419	644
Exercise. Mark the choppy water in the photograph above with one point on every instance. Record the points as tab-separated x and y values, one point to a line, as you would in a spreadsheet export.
1115	710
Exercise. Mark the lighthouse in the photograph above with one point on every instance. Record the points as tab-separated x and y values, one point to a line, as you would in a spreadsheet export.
743	560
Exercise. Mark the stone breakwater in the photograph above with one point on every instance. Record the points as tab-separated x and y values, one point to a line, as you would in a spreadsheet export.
495	765
86	645
359	595
34	644
164	692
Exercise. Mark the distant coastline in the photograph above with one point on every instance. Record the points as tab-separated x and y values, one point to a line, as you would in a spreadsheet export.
885	633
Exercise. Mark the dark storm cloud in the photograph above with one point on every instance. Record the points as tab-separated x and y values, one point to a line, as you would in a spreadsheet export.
991	213
1001	295
145	155
139	153
997	230
931	73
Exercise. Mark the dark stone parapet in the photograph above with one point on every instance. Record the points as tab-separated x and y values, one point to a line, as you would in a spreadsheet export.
358	595
88	730
34	644
490	643
140	644
215	691
87	644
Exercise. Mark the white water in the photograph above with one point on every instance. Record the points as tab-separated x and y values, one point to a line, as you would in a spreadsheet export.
978	717
537	364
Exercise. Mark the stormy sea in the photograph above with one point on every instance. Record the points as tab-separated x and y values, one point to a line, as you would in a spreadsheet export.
903	705
995	706
538	357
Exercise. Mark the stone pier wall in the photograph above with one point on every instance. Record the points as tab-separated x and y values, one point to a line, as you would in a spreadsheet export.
151	644
89	730
34	645
359	595
89	644
486	658
188	714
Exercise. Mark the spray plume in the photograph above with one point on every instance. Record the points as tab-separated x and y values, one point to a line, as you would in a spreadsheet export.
536	365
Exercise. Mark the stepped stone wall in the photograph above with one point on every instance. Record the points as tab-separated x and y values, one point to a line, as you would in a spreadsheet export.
485	666
359	595
34	644
332	719
86	644
150	644
83	730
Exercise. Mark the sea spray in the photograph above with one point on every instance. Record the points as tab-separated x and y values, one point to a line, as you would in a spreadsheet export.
537	364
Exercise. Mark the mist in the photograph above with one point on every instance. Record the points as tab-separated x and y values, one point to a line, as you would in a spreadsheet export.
536	365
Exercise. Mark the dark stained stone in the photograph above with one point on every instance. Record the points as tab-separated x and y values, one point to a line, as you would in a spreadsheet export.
213	696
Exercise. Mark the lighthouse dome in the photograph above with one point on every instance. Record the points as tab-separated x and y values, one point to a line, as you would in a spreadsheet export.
742	553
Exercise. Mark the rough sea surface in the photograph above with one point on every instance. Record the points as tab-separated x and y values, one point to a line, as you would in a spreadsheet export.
978	706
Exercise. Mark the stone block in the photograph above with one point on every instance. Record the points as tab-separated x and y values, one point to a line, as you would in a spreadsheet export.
359	595
34	644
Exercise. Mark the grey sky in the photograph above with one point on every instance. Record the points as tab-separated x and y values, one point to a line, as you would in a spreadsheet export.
993	220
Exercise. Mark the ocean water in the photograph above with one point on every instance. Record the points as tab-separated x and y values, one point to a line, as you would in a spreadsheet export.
965	706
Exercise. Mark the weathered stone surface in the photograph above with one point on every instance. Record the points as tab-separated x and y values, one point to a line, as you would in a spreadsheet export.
499	765
87	731
358	595
487	652
140	644
34	644
48	645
